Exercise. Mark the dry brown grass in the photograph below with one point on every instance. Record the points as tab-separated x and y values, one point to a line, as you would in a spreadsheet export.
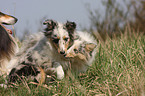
119	70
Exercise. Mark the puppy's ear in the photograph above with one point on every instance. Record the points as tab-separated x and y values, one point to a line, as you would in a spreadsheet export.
51	24
70	26
90	47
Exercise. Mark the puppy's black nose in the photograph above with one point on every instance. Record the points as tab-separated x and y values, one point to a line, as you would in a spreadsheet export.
62	52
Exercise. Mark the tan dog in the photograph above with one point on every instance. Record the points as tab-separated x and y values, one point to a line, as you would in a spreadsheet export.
8	46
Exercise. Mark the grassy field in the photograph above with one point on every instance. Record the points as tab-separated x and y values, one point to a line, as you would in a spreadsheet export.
119	70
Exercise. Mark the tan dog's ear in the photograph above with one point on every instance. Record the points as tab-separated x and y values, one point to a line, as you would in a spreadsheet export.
90	47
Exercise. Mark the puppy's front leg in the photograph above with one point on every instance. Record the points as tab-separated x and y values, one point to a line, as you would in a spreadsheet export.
59	70
56	69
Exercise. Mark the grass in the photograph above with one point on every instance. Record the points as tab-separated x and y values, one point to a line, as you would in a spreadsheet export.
119	70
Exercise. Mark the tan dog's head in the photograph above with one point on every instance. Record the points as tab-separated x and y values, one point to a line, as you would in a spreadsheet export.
7	19
60	34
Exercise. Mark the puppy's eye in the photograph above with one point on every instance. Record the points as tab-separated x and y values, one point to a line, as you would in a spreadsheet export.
66	39
56	40
55	36
64	27
76	51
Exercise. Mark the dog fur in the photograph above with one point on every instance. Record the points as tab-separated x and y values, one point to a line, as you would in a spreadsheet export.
82	52
47	50
8	46
52	48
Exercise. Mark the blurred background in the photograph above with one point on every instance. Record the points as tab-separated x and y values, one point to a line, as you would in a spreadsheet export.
100	17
